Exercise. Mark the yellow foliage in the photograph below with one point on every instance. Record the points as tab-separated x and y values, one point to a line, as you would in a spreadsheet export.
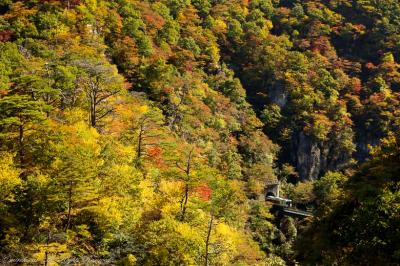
56	252
9	176
220	26
113	212
171	191
130	260
234	247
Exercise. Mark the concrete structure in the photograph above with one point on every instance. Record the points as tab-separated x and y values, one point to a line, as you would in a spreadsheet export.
272	189
280	207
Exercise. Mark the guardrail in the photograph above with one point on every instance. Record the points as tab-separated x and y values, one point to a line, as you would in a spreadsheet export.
297	212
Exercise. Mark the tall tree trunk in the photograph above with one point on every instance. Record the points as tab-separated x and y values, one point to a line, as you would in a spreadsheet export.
21	144
139	150
187	173
210	225
46	256
184	202
93	114
69	206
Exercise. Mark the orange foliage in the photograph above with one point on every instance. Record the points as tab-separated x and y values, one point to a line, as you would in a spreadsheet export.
5	35
204	192
377	97
154	20
322	45
370	66
128	85
284	11
155	154
127	50
356	85
65	3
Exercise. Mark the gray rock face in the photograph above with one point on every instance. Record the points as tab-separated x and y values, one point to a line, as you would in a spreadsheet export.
278	94
308	157
313	159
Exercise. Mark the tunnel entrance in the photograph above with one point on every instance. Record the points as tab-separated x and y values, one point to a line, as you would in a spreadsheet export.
271	194
272	189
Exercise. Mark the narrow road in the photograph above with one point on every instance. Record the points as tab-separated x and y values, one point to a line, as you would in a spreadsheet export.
295	212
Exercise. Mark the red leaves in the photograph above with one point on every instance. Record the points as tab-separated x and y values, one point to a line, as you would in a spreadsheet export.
321	45
204	192
5	35
155	155
154	152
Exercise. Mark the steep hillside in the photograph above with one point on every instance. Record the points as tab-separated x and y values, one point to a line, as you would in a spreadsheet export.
143	132
322	75
125	140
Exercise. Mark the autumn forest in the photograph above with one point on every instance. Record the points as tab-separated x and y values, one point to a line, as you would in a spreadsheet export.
145	132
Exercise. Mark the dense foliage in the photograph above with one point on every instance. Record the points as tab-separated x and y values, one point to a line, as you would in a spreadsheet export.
357	219
117	146
134	132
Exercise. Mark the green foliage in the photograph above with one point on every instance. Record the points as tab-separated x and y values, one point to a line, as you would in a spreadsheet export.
135	131
262	227
329	189
356	219
75	169
124	168
271	115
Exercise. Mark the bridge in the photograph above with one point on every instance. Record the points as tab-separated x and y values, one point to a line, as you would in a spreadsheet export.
297	213
282	206
282	210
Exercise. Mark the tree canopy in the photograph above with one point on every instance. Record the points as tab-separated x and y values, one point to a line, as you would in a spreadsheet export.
143	132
